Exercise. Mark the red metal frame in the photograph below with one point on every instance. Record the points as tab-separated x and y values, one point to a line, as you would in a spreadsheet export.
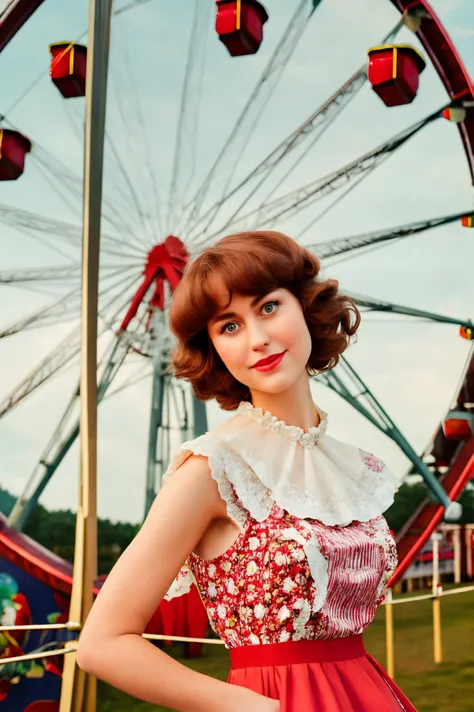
14	17
451	70
456	480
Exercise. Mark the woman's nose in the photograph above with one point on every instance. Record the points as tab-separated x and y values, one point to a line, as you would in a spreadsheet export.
258	336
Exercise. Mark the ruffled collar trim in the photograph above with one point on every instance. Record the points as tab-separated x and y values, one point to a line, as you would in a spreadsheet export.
265	461
294	433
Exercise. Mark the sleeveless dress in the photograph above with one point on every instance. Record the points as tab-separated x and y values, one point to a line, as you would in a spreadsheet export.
292	595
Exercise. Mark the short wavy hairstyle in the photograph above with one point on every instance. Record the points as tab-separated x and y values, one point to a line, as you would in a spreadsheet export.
253	264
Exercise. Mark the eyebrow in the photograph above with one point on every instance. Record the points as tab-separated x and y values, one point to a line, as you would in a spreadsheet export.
231	315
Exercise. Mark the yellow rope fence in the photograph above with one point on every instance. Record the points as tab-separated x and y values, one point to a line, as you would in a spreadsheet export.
389	637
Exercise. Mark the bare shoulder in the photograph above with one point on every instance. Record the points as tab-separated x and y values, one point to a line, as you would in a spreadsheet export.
184	508
194	477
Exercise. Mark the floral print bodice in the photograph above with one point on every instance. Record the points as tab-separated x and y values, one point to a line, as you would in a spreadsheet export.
287	577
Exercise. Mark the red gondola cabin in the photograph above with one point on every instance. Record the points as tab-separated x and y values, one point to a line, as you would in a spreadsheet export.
13	149
239	24
68	68
394	72
458	425
467	221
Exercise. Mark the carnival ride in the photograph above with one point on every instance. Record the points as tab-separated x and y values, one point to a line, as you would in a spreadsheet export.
149	232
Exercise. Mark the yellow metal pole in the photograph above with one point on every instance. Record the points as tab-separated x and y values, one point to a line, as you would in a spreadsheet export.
437	639
389	642
78	692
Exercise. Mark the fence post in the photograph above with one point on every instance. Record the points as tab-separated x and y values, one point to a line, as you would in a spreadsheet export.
437	640
389	634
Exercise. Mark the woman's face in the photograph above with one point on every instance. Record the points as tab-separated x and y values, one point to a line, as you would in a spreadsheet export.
252	329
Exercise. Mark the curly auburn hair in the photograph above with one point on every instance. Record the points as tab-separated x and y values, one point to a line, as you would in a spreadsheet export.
253	264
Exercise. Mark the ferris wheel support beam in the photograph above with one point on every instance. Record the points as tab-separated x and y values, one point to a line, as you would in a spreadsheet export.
156	423
199	417
79	689
13	17
366	403
164	401
381	306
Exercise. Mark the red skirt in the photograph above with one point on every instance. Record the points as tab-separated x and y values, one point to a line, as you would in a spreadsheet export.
317	676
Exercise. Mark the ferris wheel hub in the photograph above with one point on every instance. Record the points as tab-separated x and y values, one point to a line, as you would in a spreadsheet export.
165	263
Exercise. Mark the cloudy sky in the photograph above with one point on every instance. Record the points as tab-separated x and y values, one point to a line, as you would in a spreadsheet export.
412	367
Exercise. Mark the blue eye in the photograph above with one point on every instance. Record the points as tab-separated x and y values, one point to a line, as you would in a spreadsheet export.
273	304
225	328
268	309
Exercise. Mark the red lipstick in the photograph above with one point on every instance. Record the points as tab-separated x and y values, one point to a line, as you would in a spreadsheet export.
269	363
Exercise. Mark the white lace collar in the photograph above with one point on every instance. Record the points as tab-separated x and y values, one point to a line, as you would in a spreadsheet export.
293	432
310	475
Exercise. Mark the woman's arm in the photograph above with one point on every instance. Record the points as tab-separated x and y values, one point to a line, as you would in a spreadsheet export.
111	646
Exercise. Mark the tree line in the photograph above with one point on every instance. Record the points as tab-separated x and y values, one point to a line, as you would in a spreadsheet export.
56	529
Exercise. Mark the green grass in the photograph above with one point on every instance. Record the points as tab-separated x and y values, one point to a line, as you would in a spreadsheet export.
431	688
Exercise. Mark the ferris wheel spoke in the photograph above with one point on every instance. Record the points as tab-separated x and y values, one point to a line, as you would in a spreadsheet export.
65	435
137	208
155	216
124	297
33	223
128	105
45	274
77	128
48	367
296	200
59	357
378	305
317	123
343	245
224	167
66	180
65	307
55	313
338	199
19	218
143	373
130	6
184	162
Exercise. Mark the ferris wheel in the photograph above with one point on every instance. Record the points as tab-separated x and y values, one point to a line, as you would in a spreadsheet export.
229	168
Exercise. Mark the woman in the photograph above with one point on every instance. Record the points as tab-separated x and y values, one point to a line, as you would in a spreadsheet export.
278	524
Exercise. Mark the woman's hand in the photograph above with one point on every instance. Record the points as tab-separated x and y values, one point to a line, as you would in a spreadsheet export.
265	704
249	700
